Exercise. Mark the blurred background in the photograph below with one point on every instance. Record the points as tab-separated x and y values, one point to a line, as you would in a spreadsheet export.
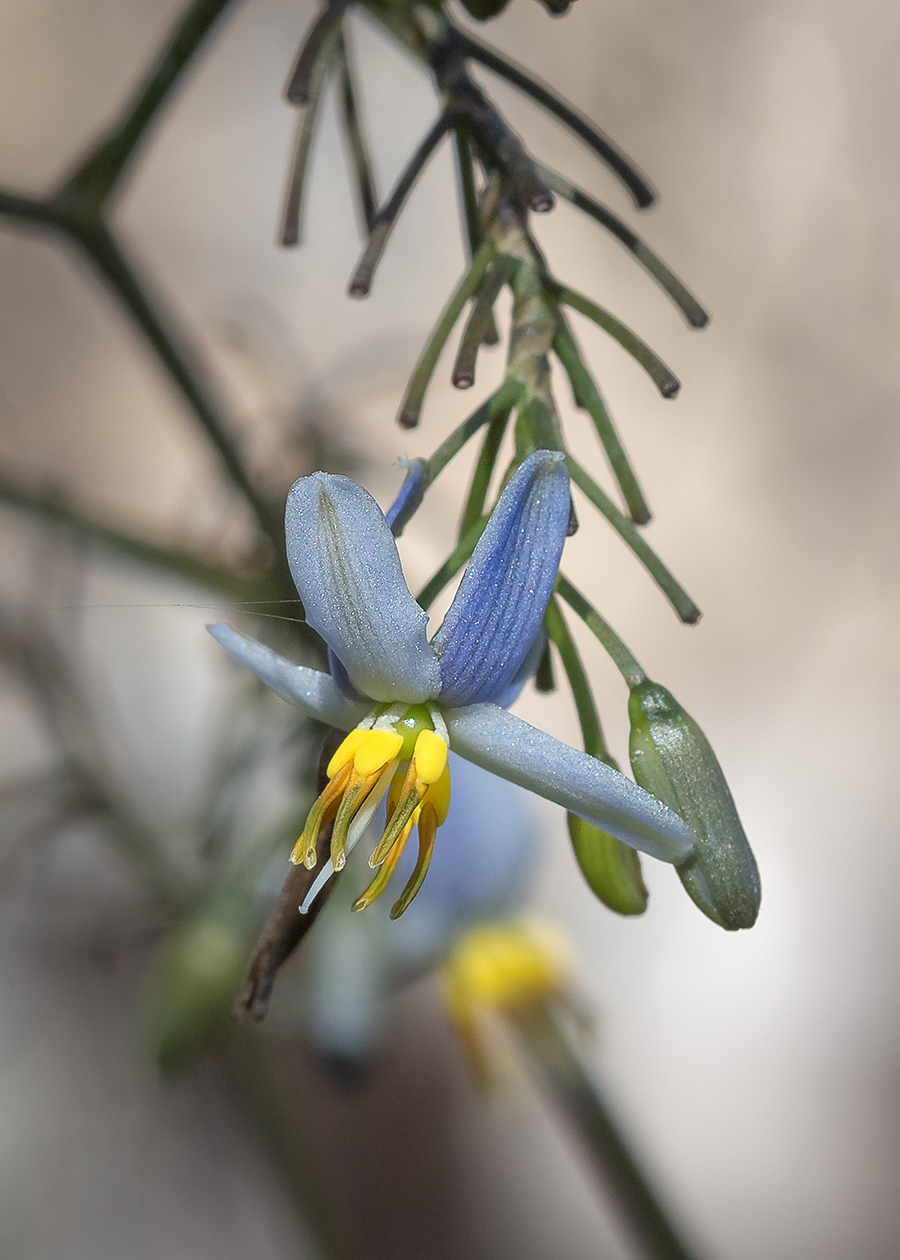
757	1072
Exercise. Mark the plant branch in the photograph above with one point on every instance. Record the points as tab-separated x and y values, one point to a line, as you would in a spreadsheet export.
299	89
565	1075
180	361
626	663
179	561
663	377
480	326
356	138
454	562
680	295
97	175
383	223
487	458
685	607
588	717
291	230
636	183
408	417
500	402
588	397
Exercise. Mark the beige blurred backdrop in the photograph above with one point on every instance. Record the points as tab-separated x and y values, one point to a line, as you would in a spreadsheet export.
758	1071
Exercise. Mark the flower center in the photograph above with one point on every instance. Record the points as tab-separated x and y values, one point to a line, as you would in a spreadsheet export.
401	752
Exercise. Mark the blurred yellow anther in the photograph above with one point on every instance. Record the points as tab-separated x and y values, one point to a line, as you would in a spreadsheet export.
502	968
507	966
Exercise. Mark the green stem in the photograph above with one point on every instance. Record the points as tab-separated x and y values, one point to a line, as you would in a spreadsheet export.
179	561
452	565
100	172
480	327
28	208
468	192
356	138
675	593
662	376
626	663
627	172
588	717
321	33
415	393
589	398
383	223
487	460
500	403
680	295
570	1082
291	224
180	361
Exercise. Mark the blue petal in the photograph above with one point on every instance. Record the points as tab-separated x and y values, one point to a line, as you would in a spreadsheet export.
526	670
501	600
409	496
315	692
341	677
346	568
509	747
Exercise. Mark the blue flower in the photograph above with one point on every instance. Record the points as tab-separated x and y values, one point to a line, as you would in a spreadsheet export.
404	699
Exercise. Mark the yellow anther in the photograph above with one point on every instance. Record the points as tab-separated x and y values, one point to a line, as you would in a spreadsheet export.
346	751
430	757
385	871
320	815
375	750
438	795
427	821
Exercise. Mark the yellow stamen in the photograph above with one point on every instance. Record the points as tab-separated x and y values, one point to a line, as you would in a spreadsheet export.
361	769
388	866
346	751
510	969
403	811
510	965
428	825
355	796
353	772
319	816
438	795
430	757
427	773
375	750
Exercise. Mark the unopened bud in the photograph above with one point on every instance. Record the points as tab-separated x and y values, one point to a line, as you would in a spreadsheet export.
611	868
673	759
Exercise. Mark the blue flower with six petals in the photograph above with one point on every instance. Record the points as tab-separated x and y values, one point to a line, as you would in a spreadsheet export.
404	699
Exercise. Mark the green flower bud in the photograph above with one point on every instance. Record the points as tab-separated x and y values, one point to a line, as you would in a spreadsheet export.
611	868
197	977
672	758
